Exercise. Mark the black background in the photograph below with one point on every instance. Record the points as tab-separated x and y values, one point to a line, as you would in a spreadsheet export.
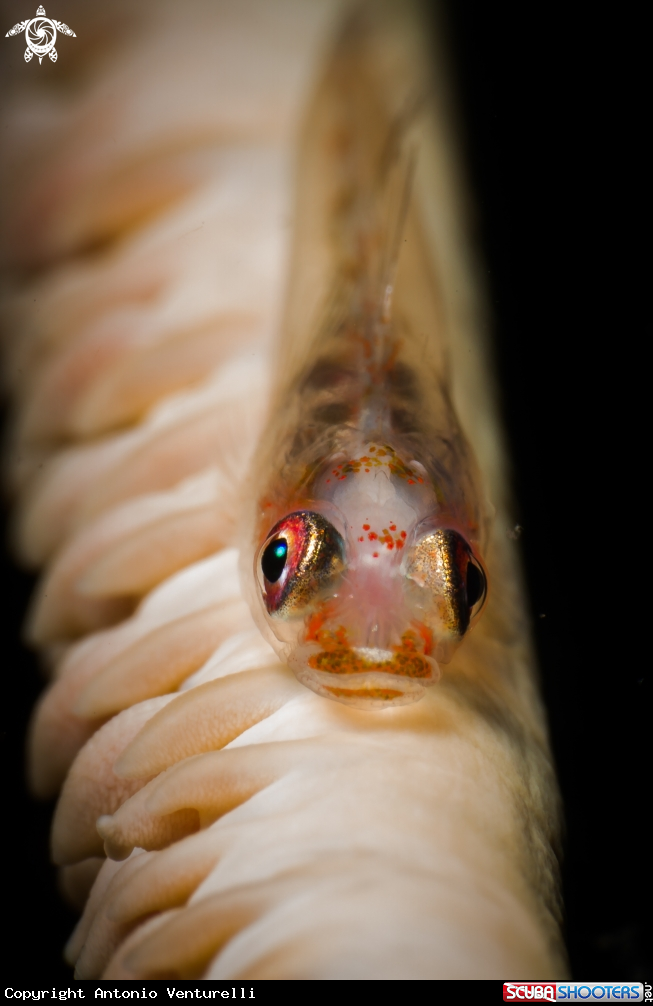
546	95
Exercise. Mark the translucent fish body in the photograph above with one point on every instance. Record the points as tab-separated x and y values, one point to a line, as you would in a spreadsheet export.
366	569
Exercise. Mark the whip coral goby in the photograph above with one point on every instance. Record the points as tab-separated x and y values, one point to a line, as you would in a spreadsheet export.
370	520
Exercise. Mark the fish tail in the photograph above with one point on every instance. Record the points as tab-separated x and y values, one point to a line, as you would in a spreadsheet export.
355	168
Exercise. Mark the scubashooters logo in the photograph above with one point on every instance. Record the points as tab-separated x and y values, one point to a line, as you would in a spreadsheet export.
572	992
40	35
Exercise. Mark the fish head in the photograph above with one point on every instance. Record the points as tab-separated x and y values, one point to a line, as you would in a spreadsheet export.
364	590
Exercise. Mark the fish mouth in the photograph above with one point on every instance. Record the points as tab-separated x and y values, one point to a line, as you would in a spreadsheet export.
364	676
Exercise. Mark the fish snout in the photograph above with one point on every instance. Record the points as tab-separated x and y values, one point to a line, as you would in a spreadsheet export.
333	665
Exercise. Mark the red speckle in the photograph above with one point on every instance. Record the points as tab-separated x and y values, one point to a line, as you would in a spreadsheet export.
419	479
367	469
375	555
362	538
372	536
393	527
366	527
342	478
411	482
390	545
328	480
403	534
399	543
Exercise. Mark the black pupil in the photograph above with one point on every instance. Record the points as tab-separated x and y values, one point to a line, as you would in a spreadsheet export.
274	559
475	583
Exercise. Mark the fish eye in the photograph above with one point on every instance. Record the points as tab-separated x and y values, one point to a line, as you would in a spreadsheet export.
302	555
443	566
475	583
274	559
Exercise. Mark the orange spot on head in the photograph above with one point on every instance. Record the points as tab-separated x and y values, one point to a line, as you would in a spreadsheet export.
366	527
399	543
315	623
419	479
411	482
337	657
403	534
393	527
362	538
425	635
367	469
375	555
390	545
372	536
